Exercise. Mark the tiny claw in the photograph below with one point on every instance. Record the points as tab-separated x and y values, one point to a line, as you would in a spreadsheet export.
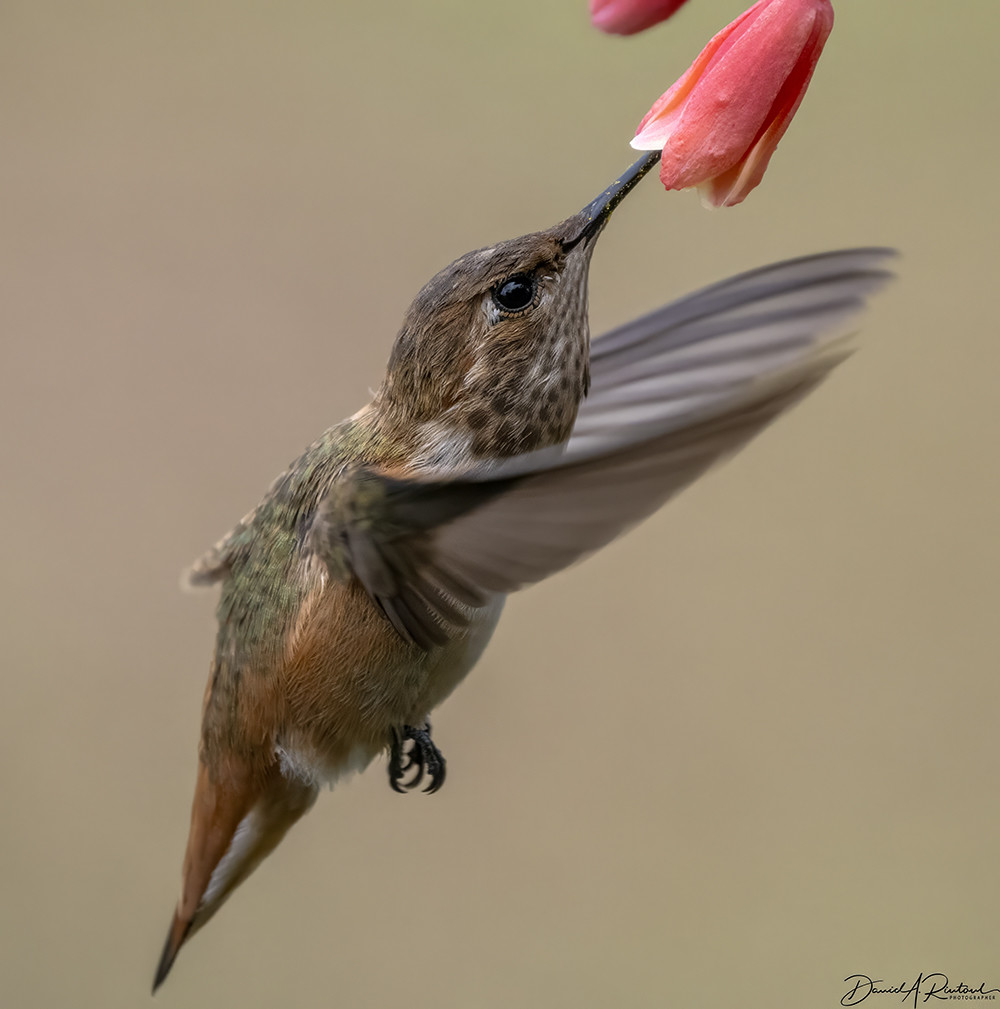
423	757
415	762
396	769
437	772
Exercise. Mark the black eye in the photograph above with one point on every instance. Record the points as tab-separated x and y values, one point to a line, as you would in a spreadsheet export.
515	293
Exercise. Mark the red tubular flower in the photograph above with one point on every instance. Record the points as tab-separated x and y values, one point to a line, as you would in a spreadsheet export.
720	123
626	17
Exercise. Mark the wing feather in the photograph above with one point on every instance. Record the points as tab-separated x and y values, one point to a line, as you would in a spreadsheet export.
672	394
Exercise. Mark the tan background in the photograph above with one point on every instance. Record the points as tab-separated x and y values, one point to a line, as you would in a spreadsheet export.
744	753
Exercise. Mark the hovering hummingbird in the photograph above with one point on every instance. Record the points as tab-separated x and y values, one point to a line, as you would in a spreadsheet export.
499	449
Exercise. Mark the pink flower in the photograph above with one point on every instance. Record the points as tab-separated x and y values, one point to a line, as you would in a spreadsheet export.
720	123
626	17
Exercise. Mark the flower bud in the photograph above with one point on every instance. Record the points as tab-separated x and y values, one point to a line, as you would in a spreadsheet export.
720	123
626	17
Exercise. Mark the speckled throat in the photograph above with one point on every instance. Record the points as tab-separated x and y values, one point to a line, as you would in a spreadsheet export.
524	395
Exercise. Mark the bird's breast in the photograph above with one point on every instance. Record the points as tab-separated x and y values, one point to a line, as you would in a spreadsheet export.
350	680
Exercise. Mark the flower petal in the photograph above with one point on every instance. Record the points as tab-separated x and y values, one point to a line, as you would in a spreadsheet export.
626	17
721	121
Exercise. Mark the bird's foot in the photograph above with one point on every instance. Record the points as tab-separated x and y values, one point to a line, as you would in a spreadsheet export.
421	757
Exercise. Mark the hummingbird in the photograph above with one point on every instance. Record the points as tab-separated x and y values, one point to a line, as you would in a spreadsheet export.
500	448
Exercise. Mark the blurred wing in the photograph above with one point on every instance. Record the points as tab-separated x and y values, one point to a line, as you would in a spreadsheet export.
379	530
208	569
542	523
672	394
690	358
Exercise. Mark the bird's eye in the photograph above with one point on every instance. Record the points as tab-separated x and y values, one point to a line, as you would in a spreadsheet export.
515	293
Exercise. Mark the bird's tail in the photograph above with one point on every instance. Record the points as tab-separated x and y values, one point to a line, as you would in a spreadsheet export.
237	818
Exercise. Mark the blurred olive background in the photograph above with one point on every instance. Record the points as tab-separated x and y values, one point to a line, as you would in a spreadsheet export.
746	752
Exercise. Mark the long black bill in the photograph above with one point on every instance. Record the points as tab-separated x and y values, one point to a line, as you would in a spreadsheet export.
595	215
